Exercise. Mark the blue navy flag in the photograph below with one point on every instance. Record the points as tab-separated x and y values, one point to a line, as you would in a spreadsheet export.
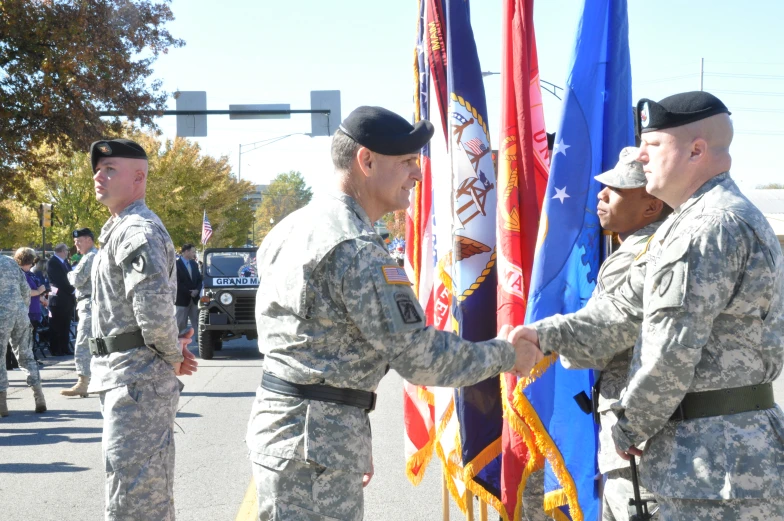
478	407
596	124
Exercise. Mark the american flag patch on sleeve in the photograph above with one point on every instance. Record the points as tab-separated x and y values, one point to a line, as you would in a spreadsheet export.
395	275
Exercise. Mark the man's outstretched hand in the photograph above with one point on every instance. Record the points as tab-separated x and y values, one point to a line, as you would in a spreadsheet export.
527	351
190	365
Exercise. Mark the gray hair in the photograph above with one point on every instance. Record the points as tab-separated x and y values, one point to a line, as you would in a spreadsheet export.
344	150
60	248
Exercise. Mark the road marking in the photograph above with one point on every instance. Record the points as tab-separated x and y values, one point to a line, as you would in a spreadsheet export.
249	510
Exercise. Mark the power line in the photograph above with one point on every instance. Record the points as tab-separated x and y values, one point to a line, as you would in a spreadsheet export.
746	76
749	92
749	63
754	109
760	132
670	78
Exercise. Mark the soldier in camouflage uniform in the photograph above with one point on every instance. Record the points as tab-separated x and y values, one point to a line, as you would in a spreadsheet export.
79	277
15	326
626	209
706	303
136	353
334	312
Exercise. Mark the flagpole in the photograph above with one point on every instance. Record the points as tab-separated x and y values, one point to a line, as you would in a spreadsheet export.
444	497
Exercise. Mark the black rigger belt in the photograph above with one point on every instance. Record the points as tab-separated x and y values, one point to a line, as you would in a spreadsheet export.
725	401
102	346
322	393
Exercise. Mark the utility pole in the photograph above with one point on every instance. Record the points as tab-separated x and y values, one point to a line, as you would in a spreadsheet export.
702	72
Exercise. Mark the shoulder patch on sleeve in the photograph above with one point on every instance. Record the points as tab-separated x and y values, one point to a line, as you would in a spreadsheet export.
669	278
408	311
129	246
395	275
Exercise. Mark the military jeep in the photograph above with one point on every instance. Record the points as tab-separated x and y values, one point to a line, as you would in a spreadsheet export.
227	308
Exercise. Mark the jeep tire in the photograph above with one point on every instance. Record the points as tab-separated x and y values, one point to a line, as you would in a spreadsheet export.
207	338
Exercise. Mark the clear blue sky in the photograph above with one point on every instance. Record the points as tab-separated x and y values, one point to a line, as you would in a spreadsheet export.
251	51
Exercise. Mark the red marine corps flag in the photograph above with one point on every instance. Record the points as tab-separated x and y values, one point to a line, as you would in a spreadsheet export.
523	165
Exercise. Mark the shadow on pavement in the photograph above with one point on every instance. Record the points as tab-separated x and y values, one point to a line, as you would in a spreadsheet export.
39	468
188	415
43	438
50	416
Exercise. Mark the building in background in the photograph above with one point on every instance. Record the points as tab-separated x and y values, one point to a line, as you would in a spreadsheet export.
771	204
256	196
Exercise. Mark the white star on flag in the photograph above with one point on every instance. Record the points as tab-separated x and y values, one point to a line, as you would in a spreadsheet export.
560	147
560	194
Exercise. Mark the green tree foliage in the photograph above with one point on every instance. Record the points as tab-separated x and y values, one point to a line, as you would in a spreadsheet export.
396	224
771	186
286	193
61	62
181	185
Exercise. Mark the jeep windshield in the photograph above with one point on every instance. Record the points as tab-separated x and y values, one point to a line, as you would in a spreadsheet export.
231	268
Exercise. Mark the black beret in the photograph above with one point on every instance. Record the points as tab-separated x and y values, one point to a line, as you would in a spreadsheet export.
678	109
385	132
83	232
115	148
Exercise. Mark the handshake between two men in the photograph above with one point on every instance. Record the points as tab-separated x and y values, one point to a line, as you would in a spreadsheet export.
527	352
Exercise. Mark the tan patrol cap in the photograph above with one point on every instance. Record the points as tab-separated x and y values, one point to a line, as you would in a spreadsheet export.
627	173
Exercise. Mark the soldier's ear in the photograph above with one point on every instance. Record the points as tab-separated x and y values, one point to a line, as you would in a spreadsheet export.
653	207
365	160
699	148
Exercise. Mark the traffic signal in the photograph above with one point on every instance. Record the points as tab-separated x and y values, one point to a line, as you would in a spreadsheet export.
45	215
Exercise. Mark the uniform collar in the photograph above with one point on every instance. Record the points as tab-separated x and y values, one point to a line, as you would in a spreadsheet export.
112	223
353	205
704	189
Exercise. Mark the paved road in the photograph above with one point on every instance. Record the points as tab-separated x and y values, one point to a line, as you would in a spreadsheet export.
50	464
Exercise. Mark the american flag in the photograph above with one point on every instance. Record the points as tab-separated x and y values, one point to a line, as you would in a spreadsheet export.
475	145
206	229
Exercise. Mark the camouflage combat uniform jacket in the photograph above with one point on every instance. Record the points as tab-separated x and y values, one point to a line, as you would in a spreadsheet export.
80	278
612	274
134	283
707	303
14	290
332	308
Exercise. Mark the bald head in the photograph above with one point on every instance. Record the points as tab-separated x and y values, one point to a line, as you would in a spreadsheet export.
678	161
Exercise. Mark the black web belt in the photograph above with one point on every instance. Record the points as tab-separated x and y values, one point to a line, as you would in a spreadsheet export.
725	401
83	297
322	393
103	346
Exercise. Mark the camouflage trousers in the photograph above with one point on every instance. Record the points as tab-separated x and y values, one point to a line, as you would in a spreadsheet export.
533	498
617	492
19	331
671	509
82	354
138	449
292	490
